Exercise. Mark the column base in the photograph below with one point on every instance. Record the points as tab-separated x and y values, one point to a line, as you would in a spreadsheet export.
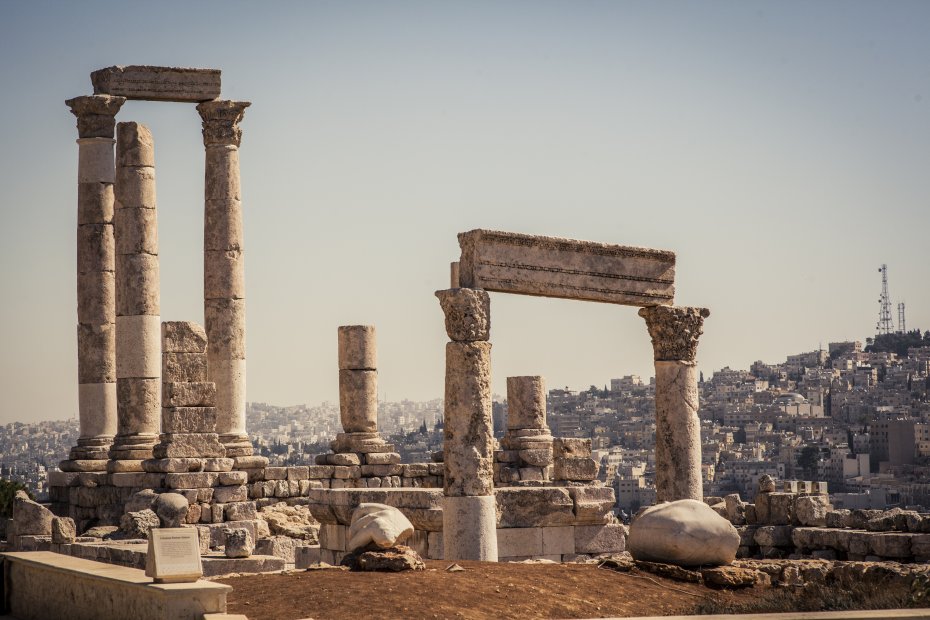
79	465
362	443
236	444
469	528
128	452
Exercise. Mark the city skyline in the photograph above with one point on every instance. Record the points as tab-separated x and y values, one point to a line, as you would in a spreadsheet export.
779	150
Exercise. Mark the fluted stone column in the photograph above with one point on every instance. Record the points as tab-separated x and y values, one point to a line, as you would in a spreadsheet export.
675	332
469	517
95	282
224	273
138	320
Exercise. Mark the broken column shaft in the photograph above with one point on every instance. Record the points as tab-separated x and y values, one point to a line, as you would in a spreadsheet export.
138	324
469	517
95	282
224	271
675	332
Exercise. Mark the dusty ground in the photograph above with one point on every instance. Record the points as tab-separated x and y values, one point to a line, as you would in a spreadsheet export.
483	590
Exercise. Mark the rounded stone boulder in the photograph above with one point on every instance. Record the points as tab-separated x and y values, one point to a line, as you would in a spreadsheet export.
171	509
686	532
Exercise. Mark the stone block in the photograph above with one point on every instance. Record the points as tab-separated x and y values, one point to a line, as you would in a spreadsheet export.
358	347
532	474
190	480
188	394
232	478
558	540
566	268
434	546
382	458
773	536
95	160
534	507
190	445
333	537
468	528
157	83
96	346
183	337
891	545
188	419
240	511
811	510
275	473
578	469
306	556
536	457
63	530
519	541
134	145
184	368
381	470
467	314
571	447
608	538
592	505
317	472
137	287
781	508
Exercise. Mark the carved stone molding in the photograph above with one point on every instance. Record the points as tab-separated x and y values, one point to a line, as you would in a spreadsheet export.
675	331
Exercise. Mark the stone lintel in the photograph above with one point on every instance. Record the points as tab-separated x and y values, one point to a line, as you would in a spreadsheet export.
150	83
674	331
96	114
566	268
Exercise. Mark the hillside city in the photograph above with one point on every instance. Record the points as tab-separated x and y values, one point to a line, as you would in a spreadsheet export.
854	417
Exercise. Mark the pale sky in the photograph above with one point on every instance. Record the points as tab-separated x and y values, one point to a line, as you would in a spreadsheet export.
781	149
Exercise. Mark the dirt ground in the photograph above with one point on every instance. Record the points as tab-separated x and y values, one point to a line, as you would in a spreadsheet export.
483	590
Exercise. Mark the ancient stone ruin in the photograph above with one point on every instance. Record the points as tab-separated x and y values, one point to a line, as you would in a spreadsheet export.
162	404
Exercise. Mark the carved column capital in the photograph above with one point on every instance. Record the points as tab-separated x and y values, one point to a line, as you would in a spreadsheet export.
468	314
674	330
221	120
96	114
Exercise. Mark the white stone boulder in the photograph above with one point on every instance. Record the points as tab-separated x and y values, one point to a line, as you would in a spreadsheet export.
686	532
383	526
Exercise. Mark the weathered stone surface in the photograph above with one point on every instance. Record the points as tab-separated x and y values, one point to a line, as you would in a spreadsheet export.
358	347
184	368
241	511
188	419
278	546
467	313
190	394
96	294
554	267
183	337
837	518
184	445
812	510
138	524
781	508
534	507
766	484
584	469
239	543
96	353
570	447
526	402
137	231
96	115
891	545
468	529
293	521
685	532
224	274
221	120
674	331
222	224
379	525
30	518
135	188
608	538
137	284
730	577
592	504
63	530
223	495
394	559
389	458
157	83
171	509
774	536
468	436
678	431
95	202
358	400
736	509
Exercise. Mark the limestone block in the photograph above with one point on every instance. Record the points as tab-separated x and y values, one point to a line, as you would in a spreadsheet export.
467	314
298	472
736	509
138	347
468	529
685	532
390	458
891	545
920	547
203	445
241	511
571	447
96	347
317	472
762	507
135	188
95	202
773	536
158	83
222	228
358	347
536	457
275	473
358	400
526	402
138	404
306	556
95	160
136	231
173	466
95	248
138	524
593	505
534	507
555	267
468	446
812	510
525	541
183	337
222	174
171	509
226	494
229	478
238	543
575	469
224	274
134	145
555	540
189	394
137	285
333	537
96	292
608	538
190	480
184	368
188	420
63	530
532	474
781	508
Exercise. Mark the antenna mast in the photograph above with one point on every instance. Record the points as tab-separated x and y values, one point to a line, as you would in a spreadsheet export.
902	326
885	325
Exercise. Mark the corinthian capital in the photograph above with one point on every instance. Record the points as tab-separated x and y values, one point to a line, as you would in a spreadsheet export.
221	121
96	114
675	331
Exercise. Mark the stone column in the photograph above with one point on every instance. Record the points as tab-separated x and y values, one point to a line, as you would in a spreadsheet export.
469	517
675	332
138	321
95	282
358	379
527	443
223	270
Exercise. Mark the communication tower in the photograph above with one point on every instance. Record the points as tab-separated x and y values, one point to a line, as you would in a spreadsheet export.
885	325
902	326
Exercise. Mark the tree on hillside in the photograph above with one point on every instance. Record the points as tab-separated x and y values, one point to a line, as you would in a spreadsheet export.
898	343
8	489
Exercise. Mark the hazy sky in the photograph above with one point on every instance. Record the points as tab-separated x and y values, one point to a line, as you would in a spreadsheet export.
780	148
